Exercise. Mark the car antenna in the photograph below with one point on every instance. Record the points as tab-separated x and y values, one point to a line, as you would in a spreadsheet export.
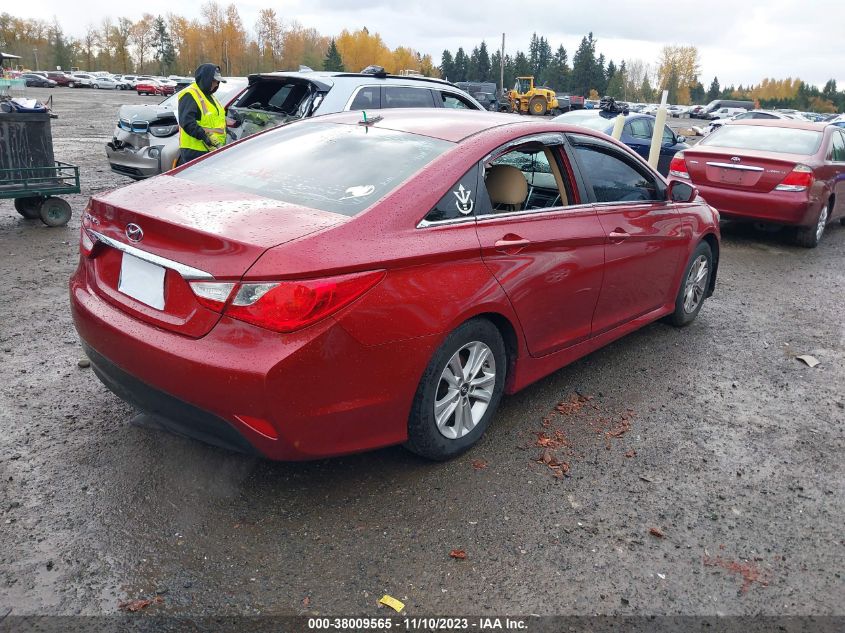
371	120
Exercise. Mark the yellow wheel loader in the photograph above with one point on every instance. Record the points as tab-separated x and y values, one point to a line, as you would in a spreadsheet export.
526	99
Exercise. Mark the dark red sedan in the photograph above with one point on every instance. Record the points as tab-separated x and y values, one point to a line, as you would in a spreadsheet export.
153	87
781	171
341	284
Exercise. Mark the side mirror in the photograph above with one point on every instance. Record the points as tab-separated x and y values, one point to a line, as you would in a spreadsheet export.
680	138
679	191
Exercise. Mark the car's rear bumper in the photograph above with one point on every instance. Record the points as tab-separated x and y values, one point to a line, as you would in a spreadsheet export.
782	207
321	391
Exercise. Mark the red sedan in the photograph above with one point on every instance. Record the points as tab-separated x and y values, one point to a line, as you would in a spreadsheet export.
153	87
347	283
781	171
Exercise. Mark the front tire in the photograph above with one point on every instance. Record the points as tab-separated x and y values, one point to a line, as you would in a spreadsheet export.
537	106
459	392
810	236
694	286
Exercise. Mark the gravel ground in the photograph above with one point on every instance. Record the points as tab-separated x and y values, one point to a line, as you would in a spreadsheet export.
705	465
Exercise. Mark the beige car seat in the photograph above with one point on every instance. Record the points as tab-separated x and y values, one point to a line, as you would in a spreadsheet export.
507	187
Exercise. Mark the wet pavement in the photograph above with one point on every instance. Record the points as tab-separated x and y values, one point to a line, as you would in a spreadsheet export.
705	465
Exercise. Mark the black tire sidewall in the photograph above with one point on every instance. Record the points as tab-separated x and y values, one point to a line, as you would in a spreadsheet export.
680	317
423	436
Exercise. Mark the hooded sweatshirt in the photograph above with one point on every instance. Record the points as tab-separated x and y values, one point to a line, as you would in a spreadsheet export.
189	112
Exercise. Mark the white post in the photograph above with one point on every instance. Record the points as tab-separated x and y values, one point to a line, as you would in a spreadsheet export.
657	137
618	124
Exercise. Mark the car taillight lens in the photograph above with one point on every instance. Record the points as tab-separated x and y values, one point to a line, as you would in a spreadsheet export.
86	242
286	306
799	179
678	166
212	294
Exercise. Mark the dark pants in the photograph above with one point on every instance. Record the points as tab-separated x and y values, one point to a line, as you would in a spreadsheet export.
186	155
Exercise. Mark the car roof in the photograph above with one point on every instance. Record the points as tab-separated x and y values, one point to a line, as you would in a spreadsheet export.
449	124
327	77
786	123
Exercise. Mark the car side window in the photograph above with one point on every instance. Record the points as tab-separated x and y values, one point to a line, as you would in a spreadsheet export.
668	136
368	98
837	149
641	128
407	97
527	178
614	177
451	100
462	200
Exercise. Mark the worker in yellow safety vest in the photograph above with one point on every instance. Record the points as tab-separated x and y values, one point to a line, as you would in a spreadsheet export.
202	119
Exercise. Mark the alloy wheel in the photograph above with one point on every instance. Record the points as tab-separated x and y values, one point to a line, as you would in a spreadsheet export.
695	287
464	390
822	223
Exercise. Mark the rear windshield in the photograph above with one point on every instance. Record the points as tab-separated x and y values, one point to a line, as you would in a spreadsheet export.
588	120
767	139
328	166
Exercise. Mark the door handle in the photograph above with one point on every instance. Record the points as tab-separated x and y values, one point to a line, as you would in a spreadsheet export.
618	235
511	244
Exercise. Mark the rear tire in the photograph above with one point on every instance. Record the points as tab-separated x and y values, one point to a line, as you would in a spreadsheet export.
810	236
28	207
70	84
537	106
459	392
55	212
695	283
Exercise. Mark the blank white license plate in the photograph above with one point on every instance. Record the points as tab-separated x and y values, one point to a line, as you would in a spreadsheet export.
142	281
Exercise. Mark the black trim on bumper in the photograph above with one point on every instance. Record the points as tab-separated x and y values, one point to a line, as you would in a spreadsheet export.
169	412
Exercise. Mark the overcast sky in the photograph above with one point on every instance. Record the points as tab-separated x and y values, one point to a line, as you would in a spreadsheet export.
740	41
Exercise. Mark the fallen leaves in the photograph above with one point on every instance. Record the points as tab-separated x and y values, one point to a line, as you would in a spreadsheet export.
133	606
656	532
631	453
557	467
572	405
479	464
393	603
458	554
749	572
306	602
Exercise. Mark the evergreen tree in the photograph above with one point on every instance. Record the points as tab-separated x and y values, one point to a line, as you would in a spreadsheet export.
534	55
646	91
583	66
461	66
447	66
61	52
333	60
610	74
165	53
521	65
696	93
829	90
715	90
556	76
599	76
485	71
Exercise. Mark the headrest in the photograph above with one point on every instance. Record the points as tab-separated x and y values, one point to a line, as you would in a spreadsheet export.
506	185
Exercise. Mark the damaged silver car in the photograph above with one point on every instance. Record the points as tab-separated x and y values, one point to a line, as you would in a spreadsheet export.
145	142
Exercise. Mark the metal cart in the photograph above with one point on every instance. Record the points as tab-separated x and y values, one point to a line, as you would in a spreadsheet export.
35	189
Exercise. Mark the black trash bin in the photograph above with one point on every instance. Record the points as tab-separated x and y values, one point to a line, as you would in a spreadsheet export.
26	141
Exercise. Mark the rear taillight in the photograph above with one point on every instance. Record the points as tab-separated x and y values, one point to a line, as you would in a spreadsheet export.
212	294
799	179
678	166
284	306
86	242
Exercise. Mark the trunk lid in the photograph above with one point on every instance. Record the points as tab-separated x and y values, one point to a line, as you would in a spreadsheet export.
189	231
745	170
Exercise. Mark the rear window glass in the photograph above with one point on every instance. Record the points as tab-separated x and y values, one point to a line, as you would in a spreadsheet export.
332	167
586	119
768	139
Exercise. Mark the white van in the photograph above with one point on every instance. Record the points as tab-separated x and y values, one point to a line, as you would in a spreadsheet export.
726	113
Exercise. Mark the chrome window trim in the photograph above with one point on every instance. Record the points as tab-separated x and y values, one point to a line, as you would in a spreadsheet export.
355	94
630	203
187	272
517	214
739	167
424	224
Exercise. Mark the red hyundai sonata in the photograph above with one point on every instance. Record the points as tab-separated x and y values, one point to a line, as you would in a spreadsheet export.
342	284
781	171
